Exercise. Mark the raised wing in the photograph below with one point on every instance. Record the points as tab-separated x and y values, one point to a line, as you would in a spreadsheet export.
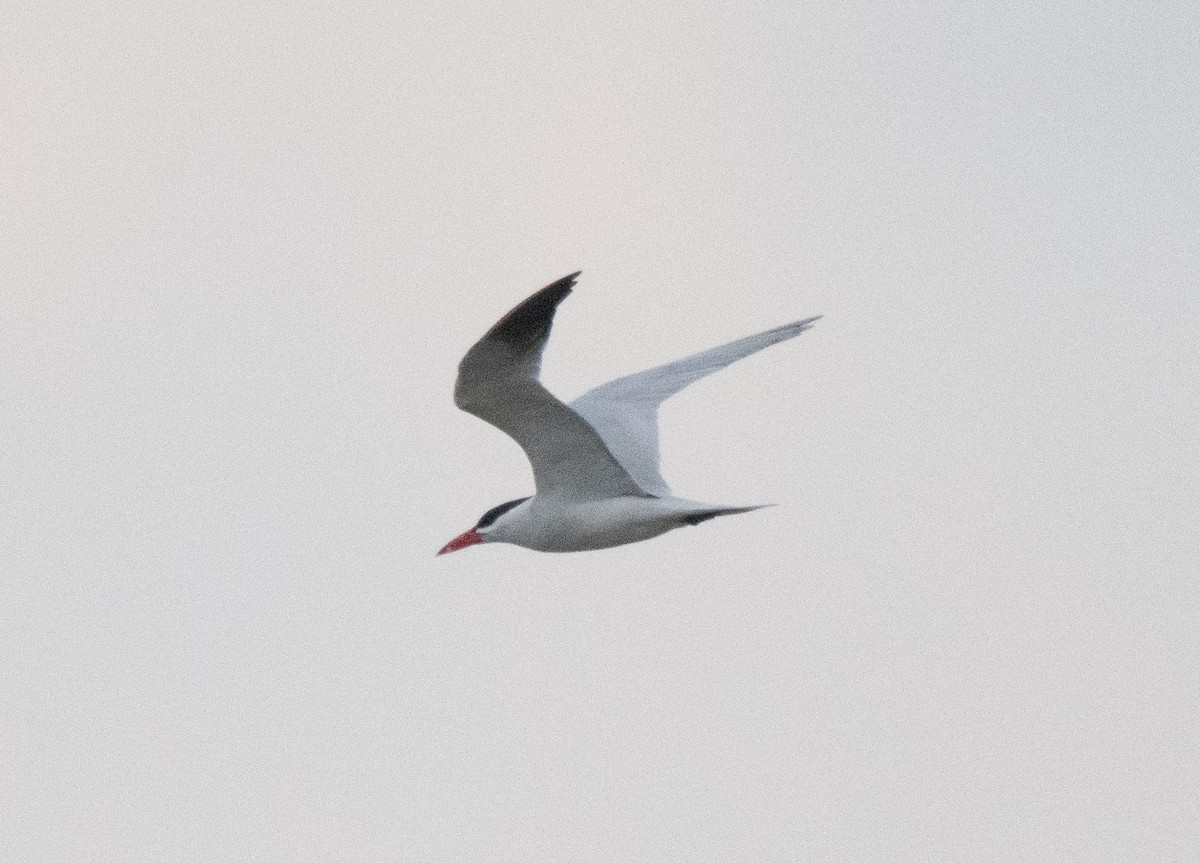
498	382
625	411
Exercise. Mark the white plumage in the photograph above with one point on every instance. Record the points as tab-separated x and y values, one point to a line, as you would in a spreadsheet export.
595	462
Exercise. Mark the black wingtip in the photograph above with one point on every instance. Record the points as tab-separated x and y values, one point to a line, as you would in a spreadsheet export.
569	281
530	321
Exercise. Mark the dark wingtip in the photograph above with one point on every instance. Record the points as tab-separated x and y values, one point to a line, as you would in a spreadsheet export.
531	319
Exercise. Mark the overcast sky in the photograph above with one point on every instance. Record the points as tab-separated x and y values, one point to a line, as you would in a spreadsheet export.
243	249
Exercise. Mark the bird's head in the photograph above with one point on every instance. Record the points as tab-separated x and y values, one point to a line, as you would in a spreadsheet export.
485	530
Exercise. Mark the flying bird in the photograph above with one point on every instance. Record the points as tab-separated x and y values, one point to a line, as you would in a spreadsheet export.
595	461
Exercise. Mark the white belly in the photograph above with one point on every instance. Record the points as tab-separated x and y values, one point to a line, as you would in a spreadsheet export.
599	524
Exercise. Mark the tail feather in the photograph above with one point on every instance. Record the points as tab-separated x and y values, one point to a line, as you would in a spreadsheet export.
694	518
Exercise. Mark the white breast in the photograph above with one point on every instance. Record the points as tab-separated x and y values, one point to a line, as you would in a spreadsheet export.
546	525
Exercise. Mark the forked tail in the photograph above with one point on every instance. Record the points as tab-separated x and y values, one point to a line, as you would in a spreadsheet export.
694	518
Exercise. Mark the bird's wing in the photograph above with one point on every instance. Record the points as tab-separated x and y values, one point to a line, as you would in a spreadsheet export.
498	382
625	411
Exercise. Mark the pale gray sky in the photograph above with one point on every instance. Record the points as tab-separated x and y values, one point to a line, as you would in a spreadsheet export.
244	247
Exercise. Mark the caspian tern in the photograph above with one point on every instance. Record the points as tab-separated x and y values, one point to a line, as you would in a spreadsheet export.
595	462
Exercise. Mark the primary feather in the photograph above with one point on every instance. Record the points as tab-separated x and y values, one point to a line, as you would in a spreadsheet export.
498	382
625	411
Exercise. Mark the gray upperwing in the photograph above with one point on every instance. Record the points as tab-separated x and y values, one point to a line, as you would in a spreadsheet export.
498	382
625	411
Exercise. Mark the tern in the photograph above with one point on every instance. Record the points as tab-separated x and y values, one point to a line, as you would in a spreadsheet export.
595	461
